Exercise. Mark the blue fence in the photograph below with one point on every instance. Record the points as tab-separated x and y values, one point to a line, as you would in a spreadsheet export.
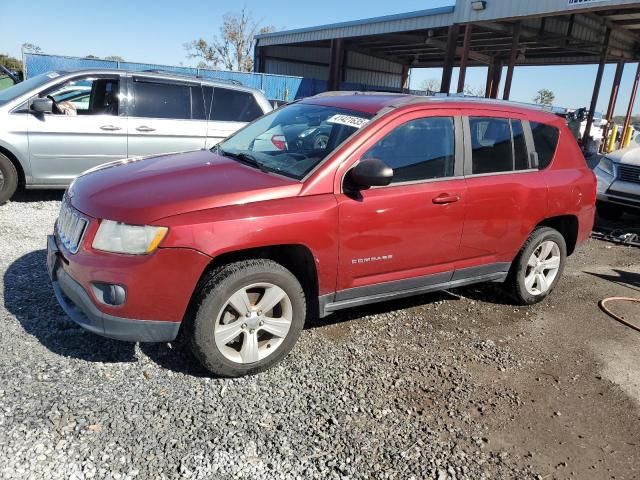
276	87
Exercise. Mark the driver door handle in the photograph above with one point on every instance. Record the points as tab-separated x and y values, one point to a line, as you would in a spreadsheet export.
144	128
445	198
110	128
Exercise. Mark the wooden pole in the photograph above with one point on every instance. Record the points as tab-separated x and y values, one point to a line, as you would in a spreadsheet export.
466	46
512	60
596	87
449	58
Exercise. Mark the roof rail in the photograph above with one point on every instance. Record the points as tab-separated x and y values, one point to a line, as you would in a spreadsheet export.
178	74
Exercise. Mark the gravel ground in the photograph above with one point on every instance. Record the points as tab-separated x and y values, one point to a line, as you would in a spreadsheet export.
444	386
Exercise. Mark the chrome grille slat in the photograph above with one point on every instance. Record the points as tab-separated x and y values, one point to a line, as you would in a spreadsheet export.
629	173
70	227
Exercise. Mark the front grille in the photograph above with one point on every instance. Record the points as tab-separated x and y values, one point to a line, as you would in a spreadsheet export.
629	173
70	227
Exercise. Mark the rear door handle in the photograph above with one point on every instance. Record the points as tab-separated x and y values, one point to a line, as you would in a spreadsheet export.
445	198
110	128
144	128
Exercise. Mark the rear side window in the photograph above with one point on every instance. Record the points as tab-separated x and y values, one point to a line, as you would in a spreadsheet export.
421	149
498	145
234	106
545	139
161	100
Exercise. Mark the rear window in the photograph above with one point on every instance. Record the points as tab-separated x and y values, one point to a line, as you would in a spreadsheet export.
234	106
545	139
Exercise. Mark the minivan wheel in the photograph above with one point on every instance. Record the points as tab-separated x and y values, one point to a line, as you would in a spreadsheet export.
538	267
249	317
8	179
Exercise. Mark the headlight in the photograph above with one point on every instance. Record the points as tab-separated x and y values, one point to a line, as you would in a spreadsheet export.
606	166
132	239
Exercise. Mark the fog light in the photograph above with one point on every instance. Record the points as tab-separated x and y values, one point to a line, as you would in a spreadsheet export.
109	293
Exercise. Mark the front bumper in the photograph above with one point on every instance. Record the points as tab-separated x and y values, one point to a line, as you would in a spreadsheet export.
78	305
621	193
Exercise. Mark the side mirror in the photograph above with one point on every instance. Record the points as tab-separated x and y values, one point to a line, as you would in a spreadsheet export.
371	172
42	105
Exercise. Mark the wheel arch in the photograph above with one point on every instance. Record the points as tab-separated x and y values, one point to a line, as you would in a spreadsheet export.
297	258
16	163
567	225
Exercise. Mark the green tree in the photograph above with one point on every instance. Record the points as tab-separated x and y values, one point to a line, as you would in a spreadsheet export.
544	97
10	62
114	58
233	47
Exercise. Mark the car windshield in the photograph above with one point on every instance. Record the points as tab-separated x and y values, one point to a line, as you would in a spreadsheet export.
294	139
23	87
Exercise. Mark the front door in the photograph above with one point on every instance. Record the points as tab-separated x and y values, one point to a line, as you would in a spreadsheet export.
406	235
165	116
86	129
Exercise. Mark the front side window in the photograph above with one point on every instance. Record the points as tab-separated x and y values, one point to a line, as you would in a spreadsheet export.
86	96
234	106
498	145
294	139
161	100
421	149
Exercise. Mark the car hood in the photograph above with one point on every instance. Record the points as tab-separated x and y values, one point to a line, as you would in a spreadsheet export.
141	191
628	156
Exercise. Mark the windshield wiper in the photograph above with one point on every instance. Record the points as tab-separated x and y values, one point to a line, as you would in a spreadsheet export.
244	158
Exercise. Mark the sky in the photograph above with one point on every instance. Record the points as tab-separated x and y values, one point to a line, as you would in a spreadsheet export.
154	31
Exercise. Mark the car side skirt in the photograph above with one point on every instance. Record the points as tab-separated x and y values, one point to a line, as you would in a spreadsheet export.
381	292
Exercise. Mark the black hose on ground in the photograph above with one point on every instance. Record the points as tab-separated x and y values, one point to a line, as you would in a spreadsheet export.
603	306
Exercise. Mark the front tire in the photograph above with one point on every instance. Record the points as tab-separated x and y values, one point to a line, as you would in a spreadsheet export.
609	212
538	267
249	317
8	179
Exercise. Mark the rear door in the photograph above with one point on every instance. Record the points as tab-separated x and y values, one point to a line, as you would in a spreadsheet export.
165	116
405	235
228	110
92	130
506	195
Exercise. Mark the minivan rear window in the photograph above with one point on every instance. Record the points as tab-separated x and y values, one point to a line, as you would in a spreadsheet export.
545	139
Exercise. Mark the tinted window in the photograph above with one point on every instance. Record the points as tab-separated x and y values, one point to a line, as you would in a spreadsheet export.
197	104
545	138
491	145
519	146
234	106
421	149
161	100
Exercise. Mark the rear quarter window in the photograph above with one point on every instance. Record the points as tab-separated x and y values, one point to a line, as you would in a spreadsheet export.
545	139
234	106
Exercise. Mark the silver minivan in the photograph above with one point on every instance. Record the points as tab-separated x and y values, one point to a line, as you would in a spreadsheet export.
57	125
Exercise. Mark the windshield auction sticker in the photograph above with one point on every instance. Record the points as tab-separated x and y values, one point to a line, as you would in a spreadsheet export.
349	120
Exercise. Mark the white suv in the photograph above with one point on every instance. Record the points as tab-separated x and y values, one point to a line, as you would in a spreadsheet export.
59	124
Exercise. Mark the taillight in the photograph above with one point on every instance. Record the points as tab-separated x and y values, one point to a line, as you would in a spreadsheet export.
279	142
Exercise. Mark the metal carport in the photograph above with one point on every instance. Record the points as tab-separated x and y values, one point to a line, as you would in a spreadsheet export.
378	52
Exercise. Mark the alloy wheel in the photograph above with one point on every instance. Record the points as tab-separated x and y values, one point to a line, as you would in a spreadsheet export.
253	323
542	268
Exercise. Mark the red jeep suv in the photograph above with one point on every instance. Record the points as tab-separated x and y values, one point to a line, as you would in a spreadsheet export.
335	201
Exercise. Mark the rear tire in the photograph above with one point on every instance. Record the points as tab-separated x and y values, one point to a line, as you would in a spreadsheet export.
248	317
8	179
538	267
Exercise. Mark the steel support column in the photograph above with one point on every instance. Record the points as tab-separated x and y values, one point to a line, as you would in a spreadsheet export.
613	100
596	87
512	60
493	79
449	59
466	46
336	57
632	101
